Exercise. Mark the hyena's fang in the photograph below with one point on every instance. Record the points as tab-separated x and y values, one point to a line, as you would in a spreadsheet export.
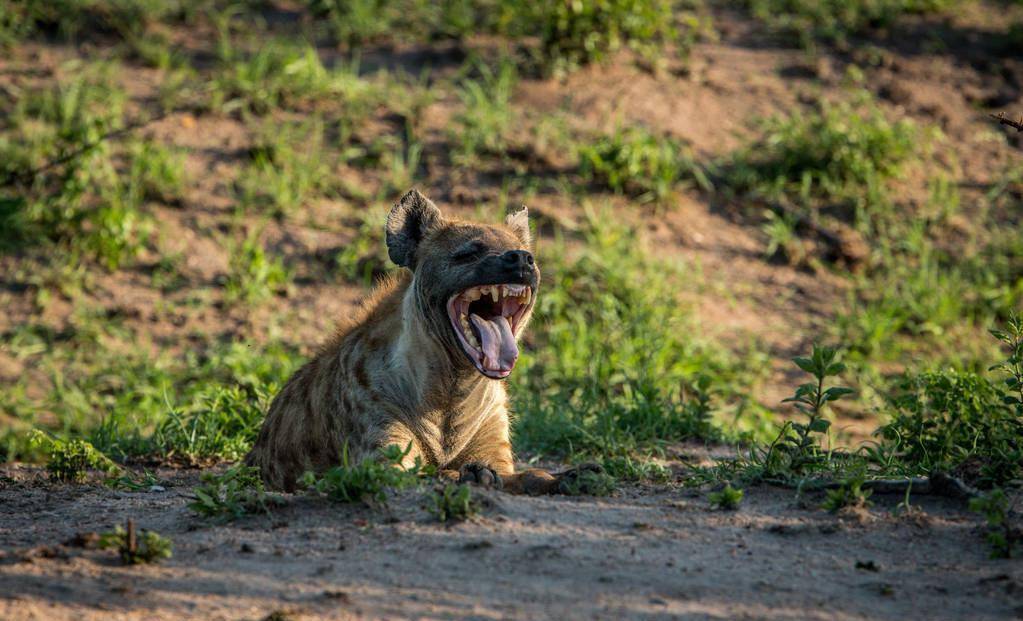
422	362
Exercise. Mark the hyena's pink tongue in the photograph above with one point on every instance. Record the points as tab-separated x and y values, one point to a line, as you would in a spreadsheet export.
500	351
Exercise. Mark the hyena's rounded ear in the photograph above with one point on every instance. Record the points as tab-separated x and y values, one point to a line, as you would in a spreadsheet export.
518	222
408	223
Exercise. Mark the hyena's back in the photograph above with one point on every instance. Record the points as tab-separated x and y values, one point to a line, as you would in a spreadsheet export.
324	405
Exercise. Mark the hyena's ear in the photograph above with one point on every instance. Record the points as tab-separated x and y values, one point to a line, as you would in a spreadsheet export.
518	222
408	223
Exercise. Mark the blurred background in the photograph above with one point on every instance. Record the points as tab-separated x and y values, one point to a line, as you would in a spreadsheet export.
192	192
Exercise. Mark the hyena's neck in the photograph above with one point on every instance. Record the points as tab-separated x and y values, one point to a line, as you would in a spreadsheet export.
424	370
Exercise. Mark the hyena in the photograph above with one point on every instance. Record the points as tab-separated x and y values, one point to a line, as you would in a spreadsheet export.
421	364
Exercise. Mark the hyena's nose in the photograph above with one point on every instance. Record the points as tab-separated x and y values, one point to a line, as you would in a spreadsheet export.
517	259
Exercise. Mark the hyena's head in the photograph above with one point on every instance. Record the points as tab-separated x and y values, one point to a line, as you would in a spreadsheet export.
474	284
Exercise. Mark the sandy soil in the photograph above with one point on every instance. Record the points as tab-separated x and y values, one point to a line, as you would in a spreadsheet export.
647	552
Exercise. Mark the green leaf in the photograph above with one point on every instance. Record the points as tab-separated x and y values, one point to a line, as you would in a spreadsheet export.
819	425
805	364
836	392
835	368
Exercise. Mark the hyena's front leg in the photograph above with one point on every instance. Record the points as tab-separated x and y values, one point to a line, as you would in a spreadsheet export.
488	461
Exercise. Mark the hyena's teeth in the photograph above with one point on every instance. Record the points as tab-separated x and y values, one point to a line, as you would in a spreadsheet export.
495	294
526	295
472	295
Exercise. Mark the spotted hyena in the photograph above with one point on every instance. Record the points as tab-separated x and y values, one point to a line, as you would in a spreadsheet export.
422	363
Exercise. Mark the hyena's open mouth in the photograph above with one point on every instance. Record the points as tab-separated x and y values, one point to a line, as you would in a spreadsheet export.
487	319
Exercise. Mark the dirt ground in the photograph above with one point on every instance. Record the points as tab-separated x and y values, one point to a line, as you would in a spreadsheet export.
646	552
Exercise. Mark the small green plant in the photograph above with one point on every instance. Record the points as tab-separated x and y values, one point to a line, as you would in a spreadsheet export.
366	481
797	449
254	276
132	482
356	22
1002	536
136	548
727	498
70	460
849	494
235	493
636	162
454	502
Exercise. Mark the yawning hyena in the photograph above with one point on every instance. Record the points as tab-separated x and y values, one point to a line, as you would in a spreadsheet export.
421	364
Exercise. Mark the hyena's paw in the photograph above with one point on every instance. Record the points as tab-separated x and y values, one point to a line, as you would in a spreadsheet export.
479	474
585	479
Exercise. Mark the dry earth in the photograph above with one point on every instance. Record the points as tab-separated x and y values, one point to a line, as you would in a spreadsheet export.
647	552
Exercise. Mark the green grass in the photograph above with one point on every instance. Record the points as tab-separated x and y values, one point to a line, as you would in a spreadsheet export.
587	31
836	21
364	258
203	405
1002	534
844	153
288	167
638	163
613	368
486	114
253	275
282	74
83	204
355	22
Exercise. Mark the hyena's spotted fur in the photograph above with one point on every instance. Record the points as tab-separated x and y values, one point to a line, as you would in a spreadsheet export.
396	374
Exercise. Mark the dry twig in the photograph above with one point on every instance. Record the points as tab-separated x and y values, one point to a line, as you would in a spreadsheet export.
1002	120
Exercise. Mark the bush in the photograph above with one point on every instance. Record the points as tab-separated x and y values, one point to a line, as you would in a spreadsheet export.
953	420
586	31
